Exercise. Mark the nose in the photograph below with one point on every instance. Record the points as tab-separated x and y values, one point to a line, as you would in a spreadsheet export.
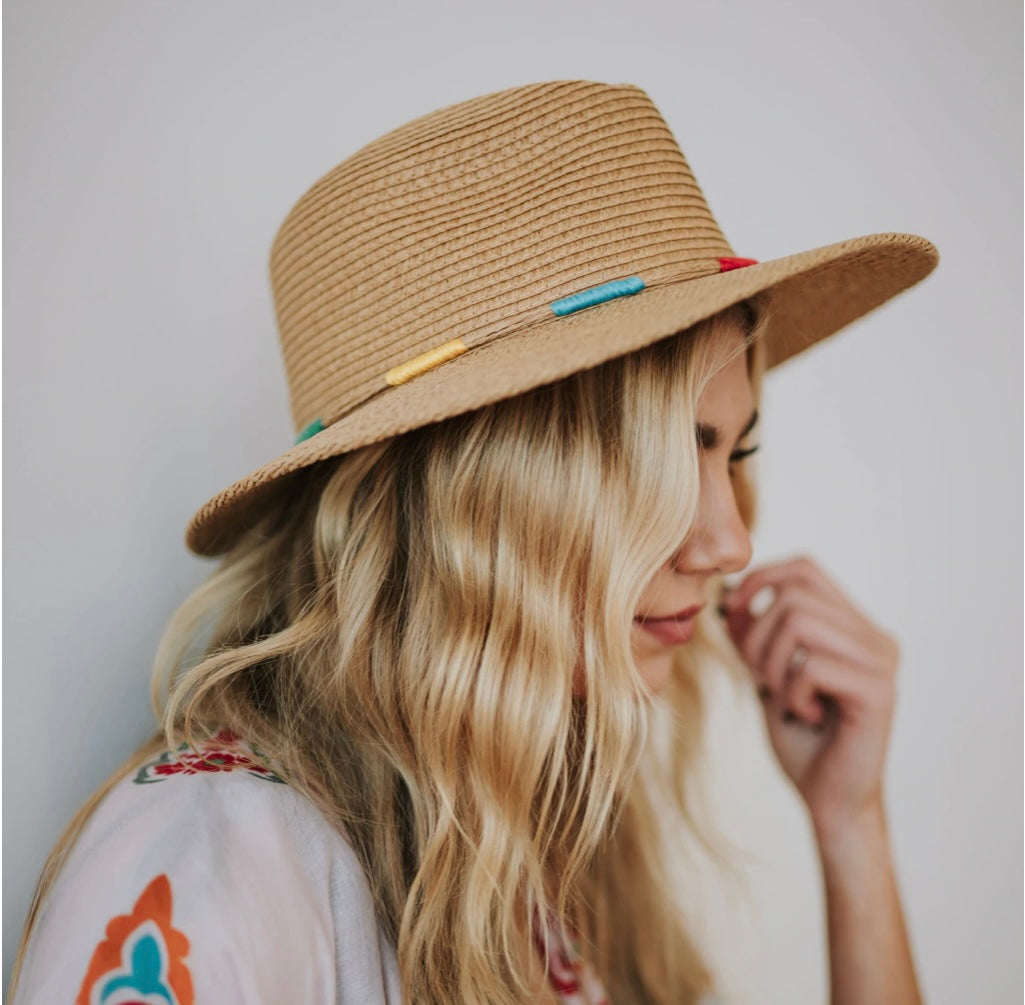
719	542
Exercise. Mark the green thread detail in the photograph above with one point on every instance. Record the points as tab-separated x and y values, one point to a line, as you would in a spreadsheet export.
311	430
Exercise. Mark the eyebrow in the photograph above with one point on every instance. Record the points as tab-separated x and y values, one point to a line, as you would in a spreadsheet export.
709	436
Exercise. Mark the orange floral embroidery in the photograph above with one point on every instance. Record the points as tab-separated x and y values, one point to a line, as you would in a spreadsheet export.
142	953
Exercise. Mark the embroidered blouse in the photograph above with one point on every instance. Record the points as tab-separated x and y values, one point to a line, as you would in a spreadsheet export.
204	877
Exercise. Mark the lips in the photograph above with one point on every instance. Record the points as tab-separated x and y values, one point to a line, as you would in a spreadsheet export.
687	612
671	631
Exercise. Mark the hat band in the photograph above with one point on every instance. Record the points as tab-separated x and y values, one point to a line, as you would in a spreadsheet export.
597	295
590	297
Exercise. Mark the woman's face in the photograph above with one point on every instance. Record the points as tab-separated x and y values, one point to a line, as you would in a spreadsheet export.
719	542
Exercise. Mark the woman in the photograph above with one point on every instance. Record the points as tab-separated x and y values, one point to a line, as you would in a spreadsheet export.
429	729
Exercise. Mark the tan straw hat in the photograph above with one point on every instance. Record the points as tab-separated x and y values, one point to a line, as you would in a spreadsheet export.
501	244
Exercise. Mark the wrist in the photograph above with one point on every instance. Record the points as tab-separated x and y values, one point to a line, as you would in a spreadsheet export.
845	831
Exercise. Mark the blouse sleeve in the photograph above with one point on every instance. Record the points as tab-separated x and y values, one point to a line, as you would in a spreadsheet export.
215	885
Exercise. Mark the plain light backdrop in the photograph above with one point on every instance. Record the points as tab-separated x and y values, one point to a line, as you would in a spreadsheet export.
151	150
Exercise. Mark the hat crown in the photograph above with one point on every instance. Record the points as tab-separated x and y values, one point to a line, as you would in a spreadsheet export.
469	222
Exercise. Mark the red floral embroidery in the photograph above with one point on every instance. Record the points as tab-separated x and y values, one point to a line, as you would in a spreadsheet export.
210	757
573	980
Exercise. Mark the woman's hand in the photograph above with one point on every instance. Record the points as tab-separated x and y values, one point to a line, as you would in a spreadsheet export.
828	713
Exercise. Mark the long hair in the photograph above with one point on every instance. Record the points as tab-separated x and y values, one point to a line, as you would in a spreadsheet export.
401	633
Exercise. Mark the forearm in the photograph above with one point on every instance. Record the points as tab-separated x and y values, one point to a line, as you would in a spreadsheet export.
869	952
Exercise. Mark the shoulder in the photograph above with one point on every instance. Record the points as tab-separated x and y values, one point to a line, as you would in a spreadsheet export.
207	869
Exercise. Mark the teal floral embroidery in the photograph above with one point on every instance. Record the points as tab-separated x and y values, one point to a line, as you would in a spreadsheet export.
147	971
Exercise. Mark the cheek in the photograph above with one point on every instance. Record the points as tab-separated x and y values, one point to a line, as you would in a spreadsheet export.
654	660
661	586
651	658
642	642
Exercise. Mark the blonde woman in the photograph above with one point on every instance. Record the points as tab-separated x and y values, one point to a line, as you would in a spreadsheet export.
428	732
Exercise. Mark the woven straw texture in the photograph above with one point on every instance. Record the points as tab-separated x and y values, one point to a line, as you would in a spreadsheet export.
452	235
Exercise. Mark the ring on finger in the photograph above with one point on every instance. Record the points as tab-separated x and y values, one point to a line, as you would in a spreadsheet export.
797	660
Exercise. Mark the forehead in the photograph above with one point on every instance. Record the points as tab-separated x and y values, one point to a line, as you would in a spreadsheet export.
728	398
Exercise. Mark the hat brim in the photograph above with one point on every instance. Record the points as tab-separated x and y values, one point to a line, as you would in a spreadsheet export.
814	294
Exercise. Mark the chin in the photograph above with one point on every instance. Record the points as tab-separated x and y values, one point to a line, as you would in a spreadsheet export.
656	672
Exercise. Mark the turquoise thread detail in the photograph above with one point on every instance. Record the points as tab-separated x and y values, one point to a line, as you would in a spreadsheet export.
148	963
311	430
597	295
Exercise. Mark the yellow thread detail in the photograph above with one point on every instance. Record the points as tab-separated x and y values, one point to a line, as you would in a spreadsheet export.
425	361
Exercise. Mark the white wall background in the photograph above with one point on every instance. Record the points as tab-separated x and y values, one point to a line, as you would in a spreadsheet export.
152	148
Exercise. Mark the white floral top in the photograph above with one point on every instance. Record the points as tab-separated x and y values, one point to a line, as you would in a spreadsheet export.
204	878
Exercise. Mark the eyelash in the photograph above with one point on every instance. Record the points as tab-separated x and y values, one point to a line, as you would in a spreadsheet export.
741	454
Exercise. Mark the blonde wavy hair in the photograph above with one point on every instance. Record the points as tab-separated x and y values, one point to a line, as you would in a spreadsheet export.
401	633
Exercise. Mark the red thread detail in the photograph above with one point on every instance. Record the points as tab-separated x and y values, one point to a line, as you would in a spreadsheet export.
726	264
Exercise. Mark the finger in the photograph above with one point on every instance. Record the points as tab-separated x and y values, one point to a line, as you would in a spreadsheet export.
798	626
753	634
799	694
801	569
827	679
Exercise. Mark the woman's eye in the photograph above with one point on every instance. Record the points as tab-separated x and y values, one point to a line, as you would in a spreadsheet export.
739	455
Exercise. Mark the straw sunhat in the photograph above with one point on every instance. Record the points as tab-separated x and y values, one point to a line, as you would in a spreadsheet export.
501	244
